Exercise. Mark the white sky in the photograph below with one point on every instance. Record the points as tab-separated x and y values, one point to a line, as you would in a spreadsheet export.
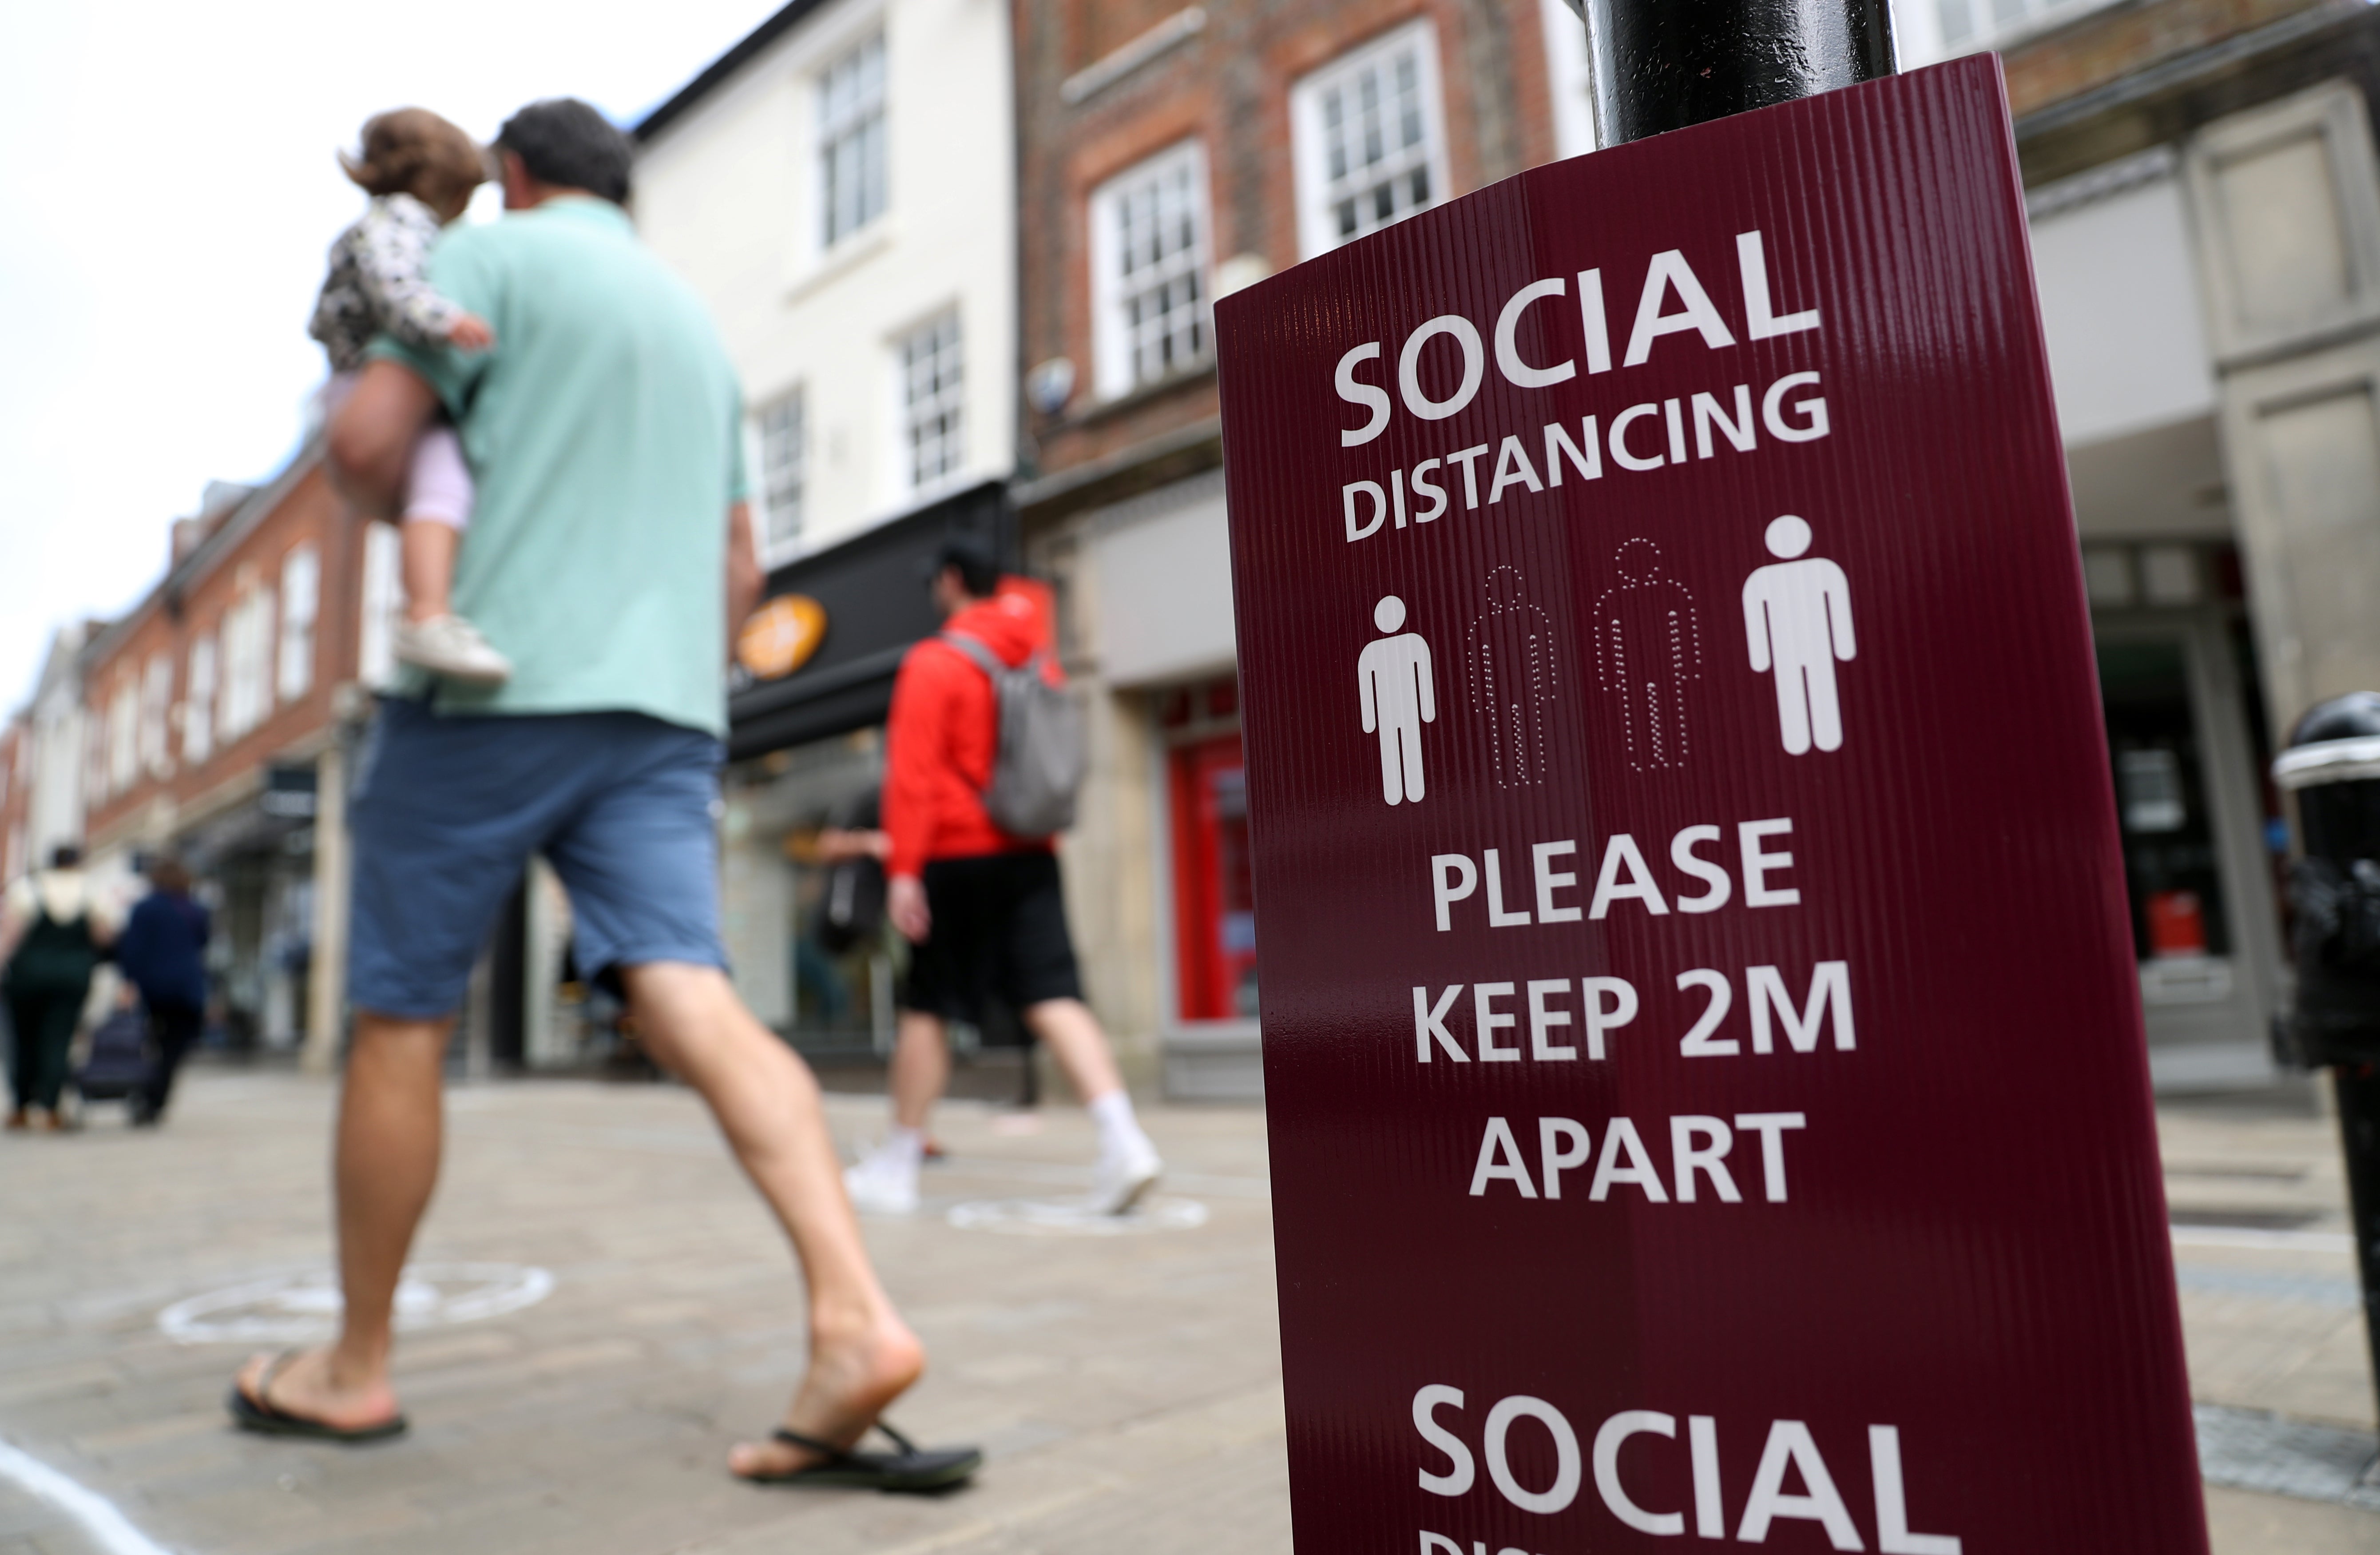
166	192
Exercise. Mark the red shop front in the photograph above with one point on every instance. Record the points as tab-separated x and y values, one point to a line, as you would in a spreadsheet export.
1211	996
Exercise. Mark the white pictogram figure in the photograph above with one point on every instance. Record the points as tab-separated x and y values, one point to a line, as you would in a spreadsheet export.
1648	643
1398	698
1513	680
1797	613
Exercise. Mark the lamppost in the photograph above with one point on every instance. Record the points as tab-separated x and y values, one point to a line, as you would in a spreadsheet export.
1666	64
2333	767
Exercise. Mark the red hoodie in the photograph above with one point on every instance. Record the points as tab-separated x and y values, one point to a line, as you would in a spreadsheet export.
943	734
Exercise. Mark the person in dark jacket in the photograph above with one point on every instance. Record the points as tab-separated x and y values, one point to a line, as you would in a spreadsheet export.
163	953
50	941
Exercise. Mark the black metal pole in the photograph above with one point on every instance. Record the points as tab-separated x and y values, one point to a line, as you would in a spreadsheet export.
2333	767
2357	1087
1666	64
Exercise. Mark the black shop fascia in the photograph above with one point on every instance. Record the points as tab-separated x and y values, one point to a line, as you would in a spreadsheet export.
819	656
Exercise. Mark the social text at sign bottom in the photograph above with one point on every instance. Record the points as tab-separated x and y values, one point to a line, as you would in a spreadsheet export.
1793	1481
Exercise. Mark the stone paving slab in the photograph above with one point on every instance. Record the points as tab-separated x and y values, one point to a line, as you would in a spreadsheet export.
1107	1375
1127	1388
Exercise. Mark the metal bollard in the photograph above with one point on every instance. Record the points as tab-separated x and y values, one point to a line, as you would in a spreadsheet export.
2333	767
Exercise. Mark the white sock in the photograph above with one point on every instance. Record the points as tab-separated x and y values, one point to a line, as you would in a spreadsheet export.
903	1147
1118	1127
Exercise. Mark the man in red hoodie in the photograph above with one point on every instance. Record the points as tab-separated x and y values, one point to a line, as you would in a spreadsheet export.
985	909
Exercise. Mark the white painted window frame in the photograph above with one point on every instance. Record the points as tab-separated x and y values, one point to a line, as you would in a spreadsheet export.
832	127
123	731
906	423
199	699
769	444
1116	369
1317	230
1570	78
247	664
383	602
156	715
301	600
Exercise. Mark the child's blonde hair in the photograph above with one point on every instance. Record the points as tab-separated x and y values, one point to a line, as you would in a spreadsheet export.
412	150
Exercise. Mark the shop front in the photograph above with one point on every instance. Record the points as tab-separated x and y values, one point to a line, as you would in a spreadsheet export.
2202	827
811	688
255	864
1158	872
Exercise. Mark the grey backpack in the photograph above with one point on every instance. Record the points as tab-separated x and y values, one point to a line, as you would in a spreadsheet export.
1039	765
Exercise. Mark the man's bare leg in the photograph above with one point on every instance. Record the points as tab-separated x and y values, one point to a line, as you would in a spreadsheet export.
921	1068
862	1355
385	1163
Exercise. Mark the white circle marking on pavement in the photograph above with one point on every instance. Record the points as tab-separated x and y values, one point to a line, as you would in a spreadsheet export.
298	1306
107	1526
1041	1217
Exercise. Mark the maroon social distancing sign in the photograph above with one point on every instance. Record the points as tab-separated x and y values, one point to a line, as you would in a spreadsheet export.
1701	1034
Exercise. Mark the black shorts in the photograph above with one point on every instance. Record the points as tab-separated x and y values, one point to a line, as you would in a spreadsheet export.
999	933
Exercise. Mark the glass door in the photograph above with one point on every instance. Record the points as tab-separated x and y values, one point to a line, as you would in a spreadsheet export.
2181	758
2173	874
1214	894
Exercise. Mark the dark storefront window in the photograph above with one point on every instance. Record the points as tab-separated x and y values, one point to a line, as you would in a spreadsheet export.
827	988
2170	865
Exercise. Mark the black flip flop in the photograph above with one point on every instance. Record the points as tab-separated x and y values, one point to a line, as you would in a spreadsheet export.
910	1471
259	1413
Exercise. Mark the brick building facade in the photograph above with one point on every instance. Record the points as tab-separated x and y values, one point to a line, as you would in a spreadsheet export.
1167	155
219	712
2206	224
2205	220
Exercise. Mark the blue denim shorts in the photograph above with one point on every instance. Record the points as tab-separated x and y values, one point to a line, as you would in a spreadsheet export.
447	811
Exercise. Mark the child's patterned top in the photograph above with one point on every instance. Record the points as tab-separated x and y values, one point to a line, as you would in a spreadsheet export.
379	281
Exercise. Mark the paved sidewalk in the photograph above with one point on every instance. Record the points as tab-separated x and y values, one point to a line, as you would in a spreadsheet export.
1127	1386
2269	1303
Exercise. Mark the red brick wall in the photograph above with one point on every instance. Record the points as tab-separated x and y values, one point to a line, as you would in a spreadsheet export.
1228	85
307	510
2114	43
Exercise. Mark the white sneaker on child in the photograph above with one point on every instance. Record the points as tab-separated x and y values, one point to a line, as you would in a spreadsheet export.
450	645
884	1183
1127	1169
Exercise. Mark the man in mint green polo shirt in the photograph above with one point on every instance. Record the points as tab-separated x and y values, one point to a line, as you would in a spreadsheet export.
609	550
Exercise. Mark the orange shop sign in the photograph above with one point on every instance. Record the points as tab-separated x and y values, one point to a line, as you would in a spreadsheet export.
781	636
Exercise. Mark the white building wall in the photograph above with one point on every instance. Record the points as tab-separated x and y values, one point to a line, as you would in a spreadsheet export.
730	195
1569	77
2120	300
55	808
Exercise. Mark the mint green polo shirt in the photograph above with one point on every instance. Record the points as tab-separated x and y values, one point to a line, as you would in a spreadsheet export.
604	432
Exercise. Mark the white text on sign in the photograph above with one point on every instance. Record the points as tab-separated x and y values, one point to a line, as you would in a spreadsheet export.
1605	1004
1699	1146
1649	435
1790	1451
1549	891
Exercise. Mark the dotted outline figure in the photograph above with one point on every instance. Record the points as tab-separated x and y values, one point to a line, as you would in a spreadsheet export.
1510	650
1400	695
1797	619
1649	644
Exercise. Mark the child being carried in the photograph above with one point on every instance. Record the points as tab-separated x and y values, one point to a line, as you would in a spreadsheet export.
420	171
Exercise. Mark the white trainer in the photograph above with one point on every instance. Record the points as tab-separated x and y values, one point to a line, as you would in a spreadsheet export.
450	645
1123	1176
878	1185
